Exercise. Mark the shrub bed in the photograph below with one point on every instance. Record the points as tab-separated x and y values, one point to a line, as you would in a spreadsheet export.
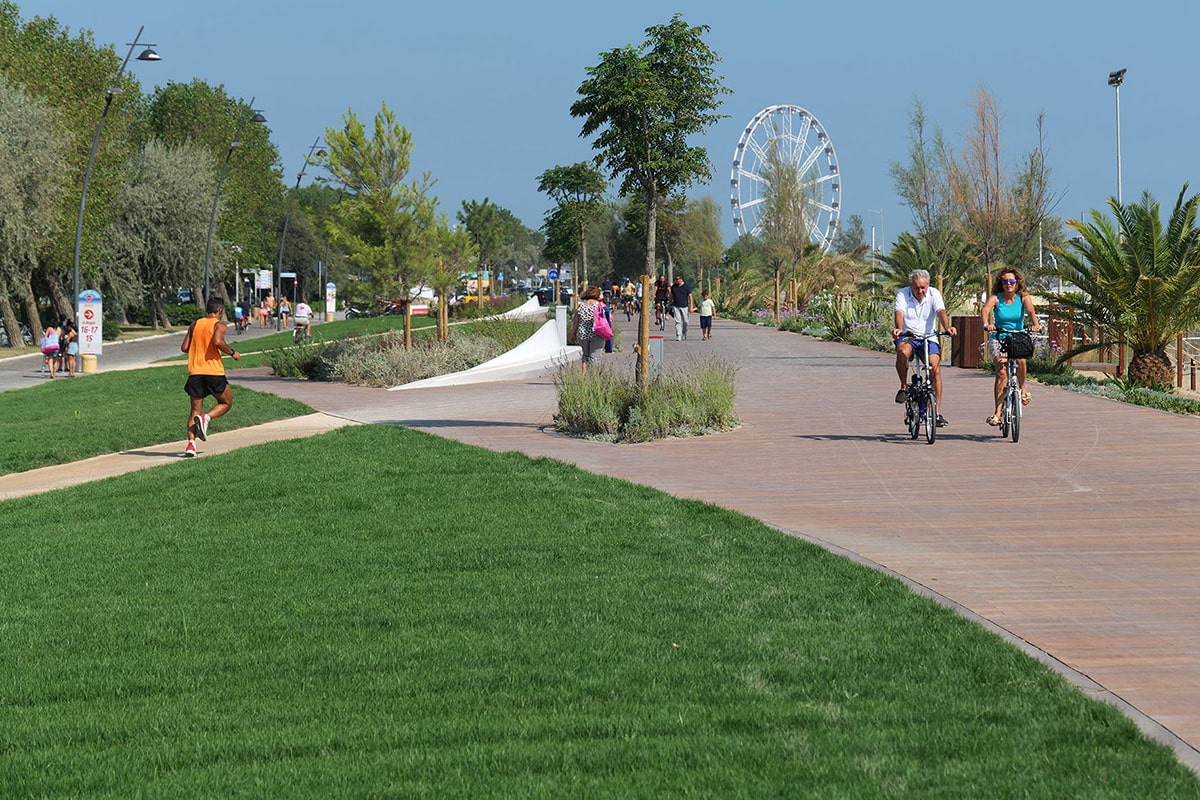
691	399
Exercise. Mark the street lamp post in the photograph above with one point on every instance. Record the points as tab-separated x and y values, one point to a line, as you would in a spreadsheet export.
250	116
146	55
316	147
1115	79
882	235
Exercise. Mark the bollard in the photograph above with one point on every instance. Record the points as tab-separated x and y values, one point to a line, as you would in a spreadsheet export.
1193	374
87	364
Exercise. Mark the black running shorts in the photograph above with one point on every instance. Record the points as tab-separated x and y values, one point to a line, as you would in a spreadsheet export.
199	386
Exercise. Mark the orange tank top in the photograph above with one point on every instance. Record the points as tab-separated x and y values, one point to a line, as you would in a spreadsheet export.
203	356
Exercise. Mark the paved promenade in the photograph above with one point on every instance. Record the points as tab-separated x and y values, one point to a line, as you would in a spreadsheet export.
1082	541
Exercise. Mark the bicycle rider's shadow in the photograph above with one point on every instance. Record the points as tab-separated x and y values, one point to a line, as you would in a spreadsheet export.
890	438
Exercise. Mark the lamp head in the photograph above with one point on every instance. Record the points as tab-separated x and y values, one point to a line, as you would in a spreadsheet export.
258	117
1116	78
149	55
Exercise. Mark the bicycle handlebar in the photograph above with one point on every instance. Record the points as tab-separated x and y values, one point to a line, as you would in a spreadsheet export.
912	336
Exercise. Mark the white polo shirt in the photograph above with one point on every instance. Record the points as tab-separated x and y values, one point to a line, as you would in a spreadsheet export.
920	317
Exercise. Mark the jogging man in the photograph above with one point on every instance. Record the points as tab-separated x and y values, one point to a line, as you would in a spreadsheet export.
919	309
204	343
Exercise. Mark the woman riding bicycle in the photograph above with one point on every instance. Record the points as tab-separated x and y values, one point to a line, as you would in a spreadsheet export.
1008	305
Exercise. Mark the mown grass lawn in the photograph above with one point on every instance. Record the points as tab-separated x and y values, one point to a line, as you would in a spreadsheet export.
379	612
57	422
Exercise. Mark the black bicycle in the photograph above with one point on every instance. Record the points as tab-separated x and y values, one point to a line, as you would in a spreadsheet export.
661	312
920	401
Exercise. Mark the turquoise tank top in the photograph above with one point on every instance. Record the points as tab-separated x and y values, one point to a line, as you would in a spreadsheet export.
1010	317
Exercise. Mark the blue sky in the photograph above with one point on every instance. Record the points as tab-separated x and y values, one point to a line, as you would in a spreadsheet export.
485	88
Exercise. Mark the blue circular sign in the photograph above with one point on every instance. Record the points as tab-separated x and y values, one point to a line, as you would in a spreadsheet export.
552	274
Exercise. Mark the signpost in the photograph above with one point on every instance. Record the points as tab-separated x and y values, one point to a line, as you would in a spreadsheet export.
90	324
553	275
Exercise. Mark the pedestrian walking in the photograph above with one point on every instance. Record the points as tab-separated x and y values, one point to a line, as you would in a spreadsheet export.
681	304
708	310
204	343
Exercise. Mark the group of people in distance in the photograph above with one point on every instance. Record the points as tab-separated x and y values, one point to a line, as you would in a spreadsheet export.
673	298
920	308
60	346
244	311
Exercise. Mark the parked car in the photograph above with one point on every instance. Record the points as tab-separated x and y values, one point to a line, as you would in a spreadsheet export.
545	295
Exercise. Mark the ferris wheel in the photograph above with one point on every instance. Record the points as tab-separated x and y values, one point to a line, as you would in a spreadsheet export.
787	136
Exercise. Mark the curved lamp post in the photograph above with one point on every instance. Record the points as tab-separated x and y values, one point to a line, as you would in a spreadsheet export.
146	55
250	116
316	147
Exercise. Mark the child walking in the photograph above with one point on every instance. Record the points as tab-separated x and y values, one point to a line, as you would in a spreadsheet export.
708	310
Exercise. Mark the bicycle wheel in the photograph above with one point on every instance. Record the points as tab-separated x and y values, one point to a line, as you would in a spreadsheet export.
912	415
931	412
1014	401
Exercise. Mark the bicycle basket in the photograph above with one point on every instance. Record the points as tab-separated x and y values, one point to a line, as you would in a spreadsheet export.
1018	344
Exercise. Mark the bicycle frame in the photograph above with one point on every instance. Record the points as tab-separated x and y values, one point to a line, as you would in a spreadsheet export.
920	407
1010	407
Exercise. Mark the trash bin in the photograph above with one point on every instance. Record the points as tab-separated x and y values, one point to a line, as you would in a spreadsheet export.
965	349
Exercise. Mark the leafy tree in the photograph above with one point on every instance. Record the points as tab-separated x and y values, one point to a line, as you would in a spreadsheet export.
645	104
73	76
522	245
455	256
787	226
700	237
253	196
317	203
578	194
162	224
999	213
949	264
851	238
1136	278
486	225
384	223
31	184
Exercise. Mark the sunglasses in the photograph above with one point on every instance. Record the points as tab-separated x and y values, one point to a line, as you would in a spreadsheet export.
1008	281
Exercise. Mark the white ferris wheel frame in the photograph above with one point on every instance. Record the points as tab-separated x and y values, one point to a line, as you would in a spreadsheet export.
806	144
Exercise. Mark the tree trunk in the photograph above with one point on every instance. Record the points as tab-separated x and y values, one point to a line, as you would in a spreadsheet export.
158	314
59	299
643	355
443	316
1149	369
407	324
583	250
32	315
9	317
651	234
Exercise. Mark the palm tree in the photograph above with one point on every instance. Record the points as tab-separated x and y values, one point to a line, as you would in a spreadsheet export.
948	273
1135	278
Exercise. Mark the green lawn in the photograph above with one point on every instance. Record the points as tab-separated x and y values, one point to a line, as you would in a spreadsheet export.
255	351
57	422
379	612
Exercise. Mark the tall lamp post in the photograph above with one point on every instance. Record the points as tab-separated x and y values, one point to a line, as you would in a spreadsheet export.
316	147
251	115
146	55
1115	79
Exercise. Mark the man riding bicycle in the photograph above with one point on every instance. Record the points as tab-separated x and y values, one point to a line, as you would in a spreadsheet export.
918	309
662	298
303	318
